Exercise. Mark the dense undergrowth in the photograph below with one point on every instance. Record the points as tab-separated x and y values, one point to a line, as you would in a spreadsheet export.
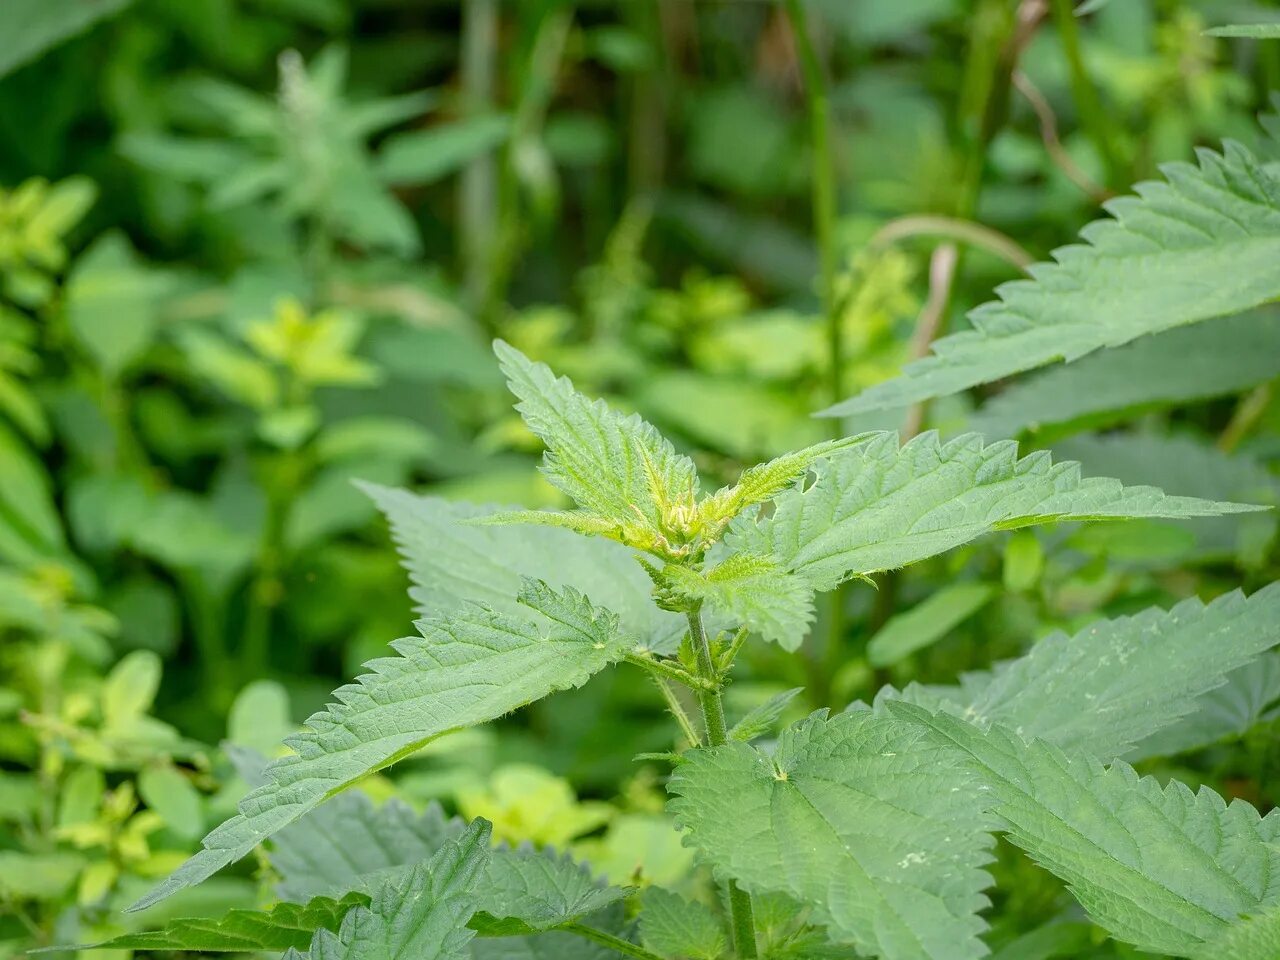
979	660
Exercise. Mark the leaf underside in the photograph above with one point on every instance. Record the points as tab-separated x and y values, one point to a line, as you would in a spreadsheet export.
879	506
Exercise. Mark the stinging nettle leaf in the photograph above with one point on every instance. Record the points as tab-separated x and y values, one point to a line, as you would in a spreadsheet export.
752	590
879	506
618	467
468	667
1117	682
1202	243
676	927
760	720
879	832
1163	868
529	891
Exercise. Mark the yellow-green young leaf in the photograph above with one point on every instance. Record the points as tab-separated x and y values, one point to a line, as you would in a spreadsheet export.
420	916
861	818
764	481
1159	263
616	466
468	667
1117	682
676	927
242	931
877	506
927	622
1165	869
752	590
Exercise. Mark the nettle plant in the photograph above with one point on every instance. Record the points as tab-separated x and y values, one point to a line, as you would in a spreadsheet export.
859	833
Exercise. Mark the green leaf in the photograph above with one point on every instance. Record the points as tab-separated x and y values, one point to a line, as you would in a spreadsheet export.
1250	31
130	688
111	301
878	831
468	667
1165	869
878	507
285	925
349	844
752	590
1174	367
1224	712
760	720
927	622
1119	681
171	795
452	562
615	466
1158	264
422	916
676	927
30	27
424	156
529	891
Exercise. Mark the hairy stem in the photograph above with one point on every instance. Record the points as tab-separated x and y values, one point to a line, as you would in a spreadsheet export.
740	910
624	947
678	711
1093	116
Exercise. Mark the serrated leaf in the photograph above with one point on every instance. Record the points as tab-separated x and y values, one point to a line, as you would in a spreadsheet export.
1163	868
529	891
1177	366
349	844
1202	243
752	590
468	667
284	926
452	561
859	817
421	916
618	467
926	623
1117	682
760	720
676	927
1226	711
877	507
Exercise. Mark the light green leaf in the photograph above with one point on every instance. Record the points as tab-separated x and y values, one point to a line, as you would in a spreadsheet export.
616	466
1160	263
451	562
676	927
285	925
111	301
1178	366
424	156
859	817
927	622
130	688
172	796
878	507
752	590
259	717
1117	682
760	720
1249	31
470	666
1163	868
421	916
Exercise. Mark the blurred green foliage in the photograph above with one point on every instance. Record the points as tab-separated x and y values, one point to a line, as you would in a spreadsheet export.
253	250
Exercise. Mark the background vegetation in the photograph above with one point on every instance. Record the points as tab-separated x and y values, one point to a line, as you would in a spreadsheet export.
253	250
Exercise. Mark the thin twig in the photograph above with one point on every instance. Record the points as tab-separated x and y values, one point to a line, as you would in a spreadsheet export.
964	231
942	274
1049	134
1246	416
677	710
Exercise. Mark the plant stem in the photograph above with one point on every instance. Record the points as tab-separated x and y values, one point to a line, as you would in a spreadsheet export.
1093	117
677	710
824	225
477	214
1246	416
740	910
625	947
